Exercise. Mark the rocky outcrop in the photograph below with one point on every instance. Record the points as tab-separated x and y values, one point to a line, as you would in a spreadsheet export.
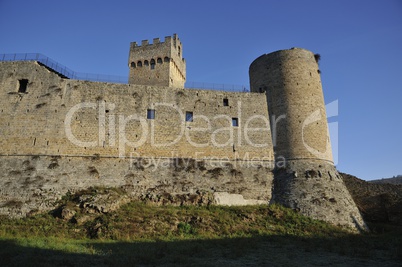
377	202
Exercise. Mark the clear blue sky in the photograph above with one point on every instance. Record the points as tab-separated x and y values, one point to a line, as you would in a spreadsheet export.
360	43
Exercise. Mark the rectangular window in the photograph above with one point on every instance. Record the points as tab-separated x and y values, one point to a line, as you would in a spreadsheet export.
150	114
225	102
235	122
23	86
189	116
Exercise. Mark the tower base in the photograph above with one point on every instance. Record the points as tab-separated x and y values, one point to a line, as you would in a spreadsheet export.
316	189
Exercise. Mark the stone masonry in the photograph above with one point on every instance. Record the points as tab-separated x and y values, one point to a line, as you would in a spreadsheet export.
309	181
159	141
160	63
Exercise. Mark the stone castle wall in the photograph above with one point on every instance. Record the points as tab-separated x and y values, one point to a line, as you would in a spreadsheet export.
164	143
34	183
65	135
68	117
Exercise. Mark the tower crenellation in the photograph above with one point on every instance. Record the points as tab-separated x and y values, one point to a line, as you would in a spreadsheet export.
159	63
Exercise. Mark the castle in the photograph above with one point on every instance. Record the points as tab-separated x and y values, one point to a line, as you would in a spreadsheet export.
157	140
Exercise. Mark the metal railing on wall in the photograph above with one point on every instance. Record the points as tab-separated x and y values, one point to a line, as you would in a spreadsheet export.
101	78
70	74
61	69
216	86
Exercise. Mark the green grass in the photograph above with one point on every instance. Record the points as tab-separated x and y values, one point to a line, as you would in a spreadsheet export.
147	234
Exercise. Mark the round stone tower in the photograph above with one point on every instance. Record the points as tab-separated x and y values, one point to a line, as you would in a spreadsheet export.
296	106
305	177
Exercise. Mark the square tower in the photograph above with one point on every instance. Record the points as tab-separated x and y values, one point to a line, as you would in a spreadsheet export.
160	63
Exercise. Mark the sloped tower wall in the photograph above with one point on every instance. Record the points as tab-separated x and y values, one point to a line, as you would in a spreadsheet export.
305	178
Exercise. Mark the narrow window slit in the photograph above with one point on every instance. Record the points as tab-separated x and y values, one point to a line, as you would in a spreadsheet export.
189	116
23	84
150	114
235	122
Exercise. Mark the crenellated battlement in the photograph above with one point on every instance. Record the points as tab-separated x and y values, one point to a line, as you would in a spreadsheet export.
169	40
159	63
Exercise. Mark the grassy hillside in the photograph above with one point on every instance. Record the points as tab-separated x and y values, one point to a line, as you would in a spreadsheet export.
149	235
377	202
394	180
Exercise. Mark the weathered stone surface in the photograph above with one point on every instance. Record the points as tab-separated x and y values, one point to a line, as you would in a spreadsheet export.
39	189
325	198
102	203
63	117
295	100
67	213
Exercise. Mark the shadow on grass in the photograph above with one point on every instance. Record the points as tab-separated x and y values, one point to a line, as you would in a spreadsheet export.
253	251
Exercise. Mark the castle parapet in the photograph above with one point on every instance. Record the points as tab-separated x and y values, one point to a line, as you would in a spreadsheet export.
174	40
159	63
